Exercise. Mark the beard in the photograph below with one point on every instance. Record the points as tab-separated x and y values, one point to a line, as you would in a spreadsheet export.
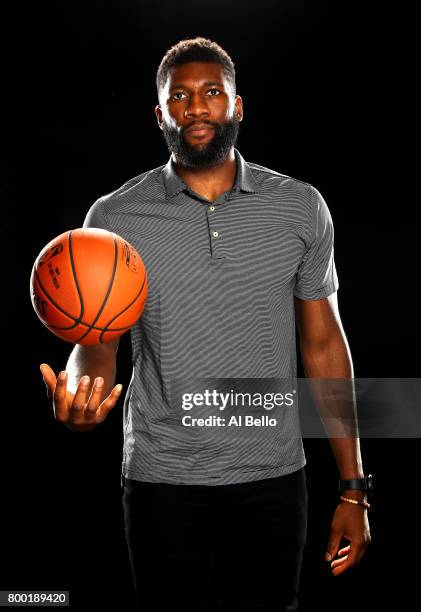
214	152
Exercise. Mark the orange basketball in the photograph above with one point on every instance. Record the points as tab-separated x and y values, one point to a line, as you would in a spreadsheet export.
88	286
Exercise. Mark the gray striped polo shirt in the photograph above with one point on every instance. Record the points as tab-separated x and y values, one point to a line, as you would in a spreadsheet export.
222	279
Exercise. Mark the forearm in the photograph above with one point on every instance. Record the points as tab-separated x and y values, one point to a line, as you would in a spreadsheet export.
93	361
333	360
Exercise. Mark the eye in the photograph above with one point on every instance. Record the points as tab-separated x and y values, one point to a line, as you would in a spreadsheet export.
214	89
177	93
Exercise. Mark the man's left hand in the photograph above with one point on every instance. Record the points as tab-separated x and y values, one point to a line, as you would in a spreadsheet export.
350	522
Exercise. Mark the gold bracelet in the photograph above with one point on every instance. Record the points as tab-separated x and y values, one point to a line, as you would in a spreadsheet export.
355	501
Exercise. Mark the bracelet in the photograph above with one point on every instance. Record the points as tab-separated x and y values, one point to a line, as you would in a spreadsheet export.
355	501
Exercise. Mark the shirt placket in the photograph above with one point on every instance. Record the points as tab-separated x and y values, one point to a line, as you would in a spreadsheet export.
214	214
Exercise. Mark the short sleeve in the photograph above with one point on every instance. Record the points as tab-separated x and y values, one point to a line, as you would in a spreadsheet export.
95	217
316	276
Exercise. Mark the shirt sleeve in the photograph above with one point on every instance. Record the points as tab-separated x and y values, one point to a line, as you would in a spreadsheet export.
316	276
95	217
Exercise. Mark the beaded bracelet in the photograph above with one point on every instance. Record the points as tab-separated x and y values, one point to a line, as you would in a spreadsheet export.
355	501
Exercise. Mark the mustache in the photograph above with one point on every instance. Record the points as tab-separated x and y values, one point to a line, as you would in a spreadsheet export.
210	123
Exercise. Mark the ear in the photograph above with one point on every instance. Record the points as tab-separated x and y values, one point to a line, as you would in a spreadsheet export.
238	108
158	113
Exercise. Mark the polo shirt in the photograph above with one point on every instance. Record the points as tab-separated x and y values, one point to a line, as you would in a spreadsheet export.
222	278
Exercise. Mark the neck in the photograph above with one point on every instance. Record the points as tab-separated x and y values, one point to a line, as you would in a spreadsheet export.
211	181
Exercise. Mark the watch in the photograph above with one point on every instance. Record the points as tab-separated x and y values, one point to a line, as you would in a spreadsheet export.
361	484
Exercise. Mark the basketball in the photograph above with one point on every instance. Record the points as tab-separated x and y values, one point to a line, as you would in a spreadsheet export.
88	286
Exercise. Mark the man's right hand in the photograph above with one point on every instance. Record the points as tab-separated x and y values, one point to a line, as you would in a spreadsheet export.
78	412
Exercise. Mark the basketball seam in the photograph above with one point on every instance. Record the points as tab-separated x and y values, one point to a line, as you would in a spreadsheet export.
105	329
106	295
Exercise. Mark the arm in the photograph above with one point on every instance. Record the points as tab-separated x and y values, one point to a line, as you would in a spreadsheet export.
325	354
93	361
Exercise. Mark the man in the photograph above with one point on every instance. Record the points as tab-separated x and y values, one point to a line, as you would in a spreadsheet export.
235	253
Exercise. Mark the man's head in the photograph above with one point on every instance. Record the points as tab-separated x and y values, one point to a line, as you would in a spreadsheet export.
196	87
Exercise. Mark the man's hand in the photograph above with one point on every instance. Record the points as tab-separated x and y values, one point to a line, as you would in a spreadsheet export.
349	522
78	412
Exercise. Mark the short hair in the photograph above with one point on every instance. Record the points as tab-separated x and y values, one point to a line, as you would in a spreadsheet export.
197	49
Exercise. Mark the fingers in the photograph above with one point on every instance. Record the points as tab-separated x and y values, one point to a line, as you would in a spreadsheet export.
333	544
88	409
49	379
95	397
56	390
60	397
108	404
344	555
350	556
76	413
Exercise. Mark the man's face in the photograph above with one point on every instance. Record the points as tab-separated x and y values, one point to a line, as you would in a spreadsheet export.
198	94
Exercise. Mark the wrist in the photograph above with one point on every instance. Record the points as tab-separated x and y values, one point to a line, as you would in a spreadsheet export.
355	494
356	486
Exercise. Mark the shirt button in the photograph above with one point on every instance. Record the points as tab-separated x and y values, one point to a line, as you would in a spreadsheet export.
215	234
211	207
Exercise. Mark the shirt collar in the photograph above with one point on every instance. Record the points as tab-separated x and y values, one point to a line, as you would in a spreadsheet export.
244	181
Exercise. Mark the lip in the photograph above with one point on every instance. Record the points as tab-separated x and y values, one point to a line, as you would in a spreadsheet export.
199	129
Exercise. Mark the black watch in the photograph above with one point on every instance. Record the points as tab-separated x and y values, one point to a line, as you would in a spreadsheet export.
361	484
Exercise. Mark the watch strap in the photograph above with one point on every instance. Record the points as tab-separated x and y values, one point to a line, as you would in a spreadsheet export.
361	484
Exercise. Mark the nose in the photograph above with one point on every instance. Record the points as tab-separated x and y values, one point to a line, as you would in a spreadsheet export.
197	106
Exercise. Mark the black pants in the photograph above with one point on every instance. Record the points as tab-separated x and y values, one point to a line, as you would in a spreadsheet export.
223	548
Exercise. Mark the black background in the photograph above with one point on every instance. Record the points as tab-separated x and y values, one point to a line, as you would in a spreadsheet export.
323	87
